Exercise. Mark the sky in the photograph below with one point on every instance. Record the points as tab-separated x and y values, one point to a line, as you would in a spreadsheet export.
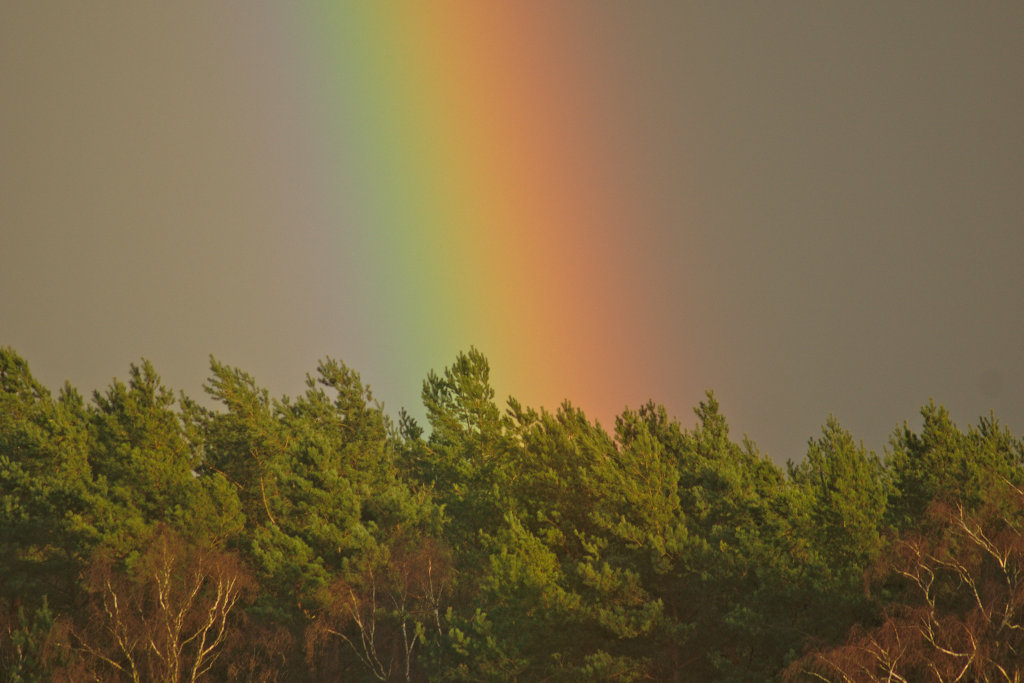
811	209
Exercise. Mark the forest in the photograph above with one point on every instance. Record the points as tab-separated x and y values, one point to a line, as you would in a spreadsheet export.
148	536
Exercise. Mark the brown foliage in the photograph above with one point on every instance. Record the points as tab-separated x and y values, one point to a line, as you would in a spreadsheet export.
29	646
165	620
382	611
257	652
961	615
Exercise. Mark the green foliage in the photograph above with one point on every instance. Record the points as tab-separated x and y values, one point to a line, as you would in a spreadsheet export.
319	485
524	545
744	564
463	459
149	465
944	462
847	492
31	653
47	492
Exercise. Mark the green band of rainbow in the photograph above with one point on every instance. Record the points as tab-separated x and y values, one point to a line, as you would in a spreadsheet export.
470	176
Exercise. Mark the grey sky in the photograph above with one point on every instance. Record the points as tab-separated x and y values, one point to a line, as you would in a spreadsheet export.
845	181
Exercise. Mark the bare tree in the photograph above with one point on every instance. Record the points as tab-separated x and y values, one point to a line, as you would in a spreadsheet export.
383	612
961	615
167	619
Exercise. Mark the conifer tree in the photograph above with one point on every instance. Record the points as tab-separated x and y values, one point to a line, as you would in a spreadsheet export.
48	496
152	472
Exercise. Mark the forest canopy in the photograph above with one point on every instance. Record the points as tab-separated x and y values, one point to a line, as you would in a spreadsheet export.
148	536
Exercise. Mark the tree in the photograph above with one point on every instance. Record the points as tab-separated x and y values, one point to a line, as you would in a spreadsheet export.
384	612
944	462
464	458
567	590
30	645
48	496
152	471
164	617
742	581
848	494
318	480
843	492
959	614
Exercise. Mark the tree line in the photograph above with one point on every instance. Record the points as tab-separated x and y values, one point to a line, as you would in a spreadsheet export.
145	536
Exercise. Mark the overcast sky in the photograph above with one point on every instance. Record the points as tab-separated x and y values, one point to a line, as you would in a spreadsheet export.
827	204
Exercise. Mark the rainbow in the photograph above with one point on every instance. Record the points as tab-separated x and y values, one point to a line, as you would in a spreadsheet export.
470	178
